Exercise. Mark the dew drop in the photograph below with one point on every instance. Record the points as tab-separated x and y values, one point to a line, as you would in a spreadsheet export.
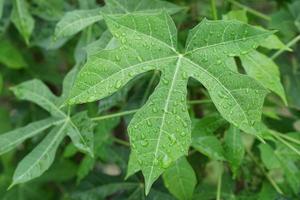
154	109
244	52
184	75
155	161
117	58
149	123
166	162
123	40
183	134
219	62
172	139
140	59
118	84
144	143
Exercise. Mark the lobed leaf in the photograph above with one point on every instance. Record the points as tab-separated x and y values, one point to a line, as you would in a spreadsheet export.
160	131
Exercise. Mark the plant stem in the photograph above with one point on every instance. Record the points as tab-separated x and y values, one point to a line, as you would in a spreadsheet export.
214	9
219	184
262	169
291	43
129	112
287	138
285	143
199	101
122	142
250	10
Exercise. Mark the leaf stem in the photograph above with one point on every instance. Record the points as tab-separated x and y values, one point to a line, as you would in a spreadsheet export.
262	169
122	142
219	184
286	137
289	44
250	10
285	143
119	114
214	9
129	112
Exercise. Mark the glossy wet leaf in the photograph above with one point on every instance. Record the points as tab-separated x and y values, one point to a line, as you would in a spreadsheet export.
75	21
42	156
22	19
160	130
180	179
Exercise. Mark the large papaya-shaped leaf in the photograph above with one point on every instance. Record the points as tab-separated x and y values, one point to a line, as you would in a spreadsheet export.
160	132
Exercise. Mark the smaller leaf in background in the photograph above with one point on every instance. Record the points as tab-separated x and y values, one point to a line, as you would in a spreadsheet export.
36	91
240	15
22	19
267	192
11	139
10	56
203	138
268	157
86	165
180	179
80	129
48	10
75	21
41	158
265	71
234	148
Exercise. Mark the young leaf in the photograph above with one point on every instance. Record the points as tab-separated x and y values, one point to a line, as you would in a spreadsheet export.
234	148
265	71
13	138
22	19
75	21
160	130
40	159
37	92
180	179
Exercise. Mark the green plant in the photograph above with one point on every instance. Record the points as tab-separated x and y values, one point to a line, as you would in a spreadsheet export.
199	91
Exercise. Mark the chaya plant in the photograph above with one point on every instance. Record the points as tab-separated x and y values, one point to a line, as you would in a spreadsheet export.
160	132
78	127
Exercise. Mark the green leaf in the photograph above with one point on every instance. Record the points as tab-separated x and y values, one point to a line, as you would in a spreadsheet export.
234	148
265	71
142	6
180	179
160	131
40	159
203	138
13	138
75	21
80	130
240	15
22	19
10	56
273	42
36	91
86	165
268	157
